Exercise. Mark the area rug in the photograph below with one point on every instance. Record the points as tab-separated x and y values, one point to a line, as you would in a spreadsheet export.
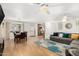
56	47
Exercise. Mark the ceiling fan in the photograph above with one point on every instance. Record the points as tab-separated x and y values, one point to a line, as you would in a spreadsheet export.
41	4
43	7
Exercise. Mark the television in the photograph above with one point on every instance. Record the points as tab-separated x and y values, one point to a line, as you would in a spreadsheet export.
1	14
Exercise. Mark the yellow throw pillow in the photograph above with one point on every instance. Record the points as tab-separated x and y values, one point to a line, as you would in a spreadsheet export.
75	36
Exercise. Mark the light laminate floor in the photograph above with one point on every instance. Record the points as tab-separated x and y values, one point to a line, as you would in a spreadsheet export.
24	48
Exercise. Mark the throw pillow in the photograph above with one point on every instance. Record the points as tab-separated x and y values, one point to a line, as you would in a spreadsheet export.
75	36
61	35
66	35
55	34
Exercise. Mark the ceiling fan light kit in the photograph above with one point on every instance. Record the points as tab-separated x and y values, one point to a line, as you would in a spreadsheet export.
44	9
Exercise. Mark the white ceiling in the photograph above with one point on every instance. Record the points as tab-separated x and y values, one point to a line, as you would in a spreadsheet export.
30	12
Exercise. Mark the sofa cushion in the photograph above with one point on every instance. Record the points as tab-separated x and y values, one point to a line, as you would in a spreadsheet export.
61	40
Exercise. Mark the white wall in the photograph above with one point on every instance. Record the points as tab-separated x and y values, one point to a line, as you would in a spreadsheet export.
50	27
30	28
3	30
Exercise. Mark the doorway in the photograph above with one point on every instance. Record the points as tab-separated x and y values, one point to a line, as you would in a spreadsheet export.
41	31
